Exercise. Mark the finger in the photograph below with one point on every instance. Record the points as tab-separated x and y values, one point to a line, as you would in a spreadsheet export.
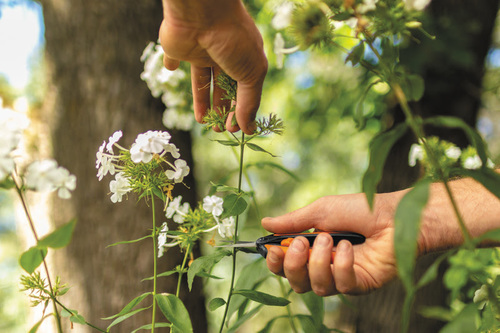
295	265
170	64
231	124
296	221
247	104
345	276
201	78
320	270
274	260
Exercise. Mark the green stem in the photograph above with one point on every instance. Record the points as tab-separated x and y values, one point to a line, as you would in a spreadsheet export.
188	249
155	255
233	273
35	234
288	311
74	314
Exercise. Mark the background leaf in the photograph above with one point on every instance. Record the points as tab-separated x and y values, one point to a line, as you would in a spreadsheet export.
234	205
31	259
315	305
175	311
204	263
263	298
216	303
60	237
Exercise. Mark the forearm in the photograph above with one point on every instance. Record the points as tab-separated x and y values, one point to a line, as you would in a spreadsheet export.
479	209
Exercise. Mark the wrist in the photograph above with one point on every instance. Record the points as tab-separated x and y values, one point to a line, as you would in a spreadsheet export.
201	13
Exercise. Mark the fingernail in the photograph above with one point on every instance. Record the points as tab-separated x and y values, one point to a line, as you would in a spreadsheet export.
343	246
297	245
322	240
272	257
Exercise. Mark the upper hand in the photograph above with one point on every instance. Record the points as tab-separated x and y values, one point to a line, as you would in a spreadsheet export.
356	269
226	39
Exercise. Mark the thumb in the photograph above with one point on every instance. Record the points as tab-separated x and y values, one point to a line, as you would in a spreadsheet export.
170	64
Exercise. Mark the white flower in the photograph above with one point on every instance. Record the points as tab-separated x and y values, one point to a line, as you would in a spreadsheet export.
173	206
119	186
181	171
283	15
472	162
42	175
162	239
173	150
99	155
6	165
137	154
453	152
177	211
150	48
226	227
416	154
106	167
481	296
147	144
175	119
112	140
213	204
64	182
416	4
367	6
280	50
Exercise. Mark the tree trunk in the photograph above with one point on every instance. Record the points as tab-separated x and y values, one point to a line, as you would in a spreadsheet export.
452	67
93	49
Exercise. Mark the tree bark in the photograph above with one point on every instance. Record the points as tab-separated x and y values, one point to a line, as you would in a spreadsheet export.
452	67
93	49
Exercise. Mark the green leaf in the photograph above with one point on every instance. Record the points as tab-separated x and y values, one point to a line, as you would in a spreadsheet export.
164	274
130	241
492	235
315	305
269	324
255	147
7	184
487	177
454	122
126	316
37	325
413	86
234	205
127	308
60	237
263	164
342	16
307	323
432	272
356	54
149	326
464	322
205	263
32	258
77	319
216	303
407	225
263	298
244	318
223	188
228	143
436	312
175	311
379	149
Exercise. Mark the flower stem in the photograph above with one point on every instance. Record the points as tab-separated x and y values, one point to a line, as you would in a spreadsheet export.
233	273
32	226
155	255
289	312
188	250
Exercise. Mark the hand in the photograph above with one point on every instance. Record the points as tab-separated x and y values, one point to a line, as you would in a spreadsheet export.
216	35
356	269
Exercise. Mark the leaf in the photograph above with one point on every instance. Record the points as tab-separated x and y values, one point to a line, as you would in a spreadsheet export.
126	316
263	164
164	274
432	272
454	122
234	205
492	235
307	323
257	148
356	54
216	303
228	143
204	263
487	177
244	318
78	319
379	149
436	312
8	184
464	322
149	326
269	324
413	86
37	325
407	225
342	16
127	308
315	305
263	298
130	241
223	188
32	258
175	311
60	237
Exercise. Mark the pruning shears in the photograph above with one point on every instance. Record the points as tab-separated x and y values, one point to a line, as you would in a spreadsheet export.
263	244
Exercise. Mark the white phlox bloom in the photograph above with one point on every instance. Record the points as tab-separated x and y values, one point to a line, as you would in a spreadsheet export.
416	154
280	50
46	176
119	187
162	239
65	183
177	211
12	124
416	4
6	165
149	143
453	152
367	6
181	171
226	227
213	204
138	155
112	140
283	15
175	119
173	150
472	163
104	163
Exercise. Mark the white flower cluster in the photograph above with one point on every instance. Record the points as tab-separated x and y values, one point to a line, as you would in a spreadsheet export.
44	175
145	147
165	84
213	204
469	160
281	20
